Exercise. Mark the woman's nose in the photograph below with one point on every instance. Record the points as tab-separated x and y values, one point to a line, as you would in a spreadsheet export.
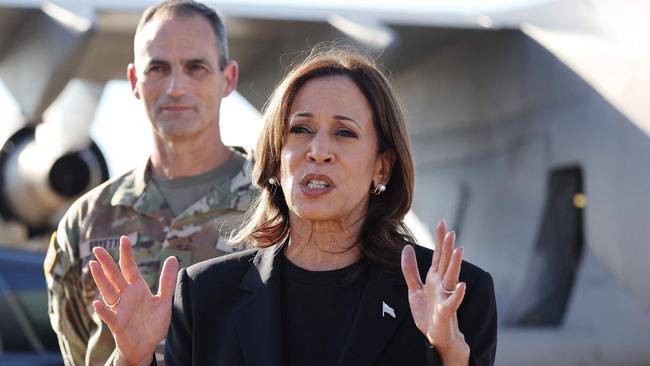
320	150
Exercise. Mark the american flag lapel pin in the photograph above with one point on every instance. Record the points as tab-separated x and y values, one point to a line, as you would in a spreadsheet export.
385	309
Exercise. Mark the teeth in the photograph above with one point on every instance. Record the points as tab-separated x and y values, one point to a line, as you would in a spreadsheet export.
316	184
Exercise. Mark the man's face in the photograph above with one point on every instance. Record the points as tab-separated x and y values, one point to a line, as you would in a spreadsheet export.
176	74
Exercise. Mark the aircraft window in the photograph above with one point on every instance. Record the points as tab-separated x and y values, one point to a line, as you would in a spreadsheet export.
544	296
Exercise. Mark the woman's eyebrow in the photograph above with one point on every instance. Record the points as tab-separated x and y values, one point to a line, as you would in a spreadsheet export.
346	118
302	114
337	117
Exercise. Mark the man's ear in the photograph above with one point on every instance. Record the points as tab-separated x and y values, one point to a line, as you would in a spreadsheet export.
231	74
384	167
133	80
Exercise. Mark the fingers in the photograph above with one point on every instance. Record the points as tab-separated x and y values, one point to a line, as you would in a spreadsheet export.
453	302
106	288
105	314
445	253
410	269
450	279
127	262
168	278
109	268
441	231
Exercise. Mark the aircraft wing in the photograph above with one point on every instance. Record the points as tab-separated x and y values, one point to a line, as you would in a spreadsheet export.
45	44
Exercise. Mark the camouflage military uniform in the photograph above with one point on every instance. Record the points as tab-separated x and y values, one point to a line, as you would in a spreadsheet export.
130	205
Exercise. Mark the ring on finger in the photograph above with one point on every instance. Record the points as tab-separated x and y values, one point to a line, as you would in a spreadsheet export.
110	306
442	287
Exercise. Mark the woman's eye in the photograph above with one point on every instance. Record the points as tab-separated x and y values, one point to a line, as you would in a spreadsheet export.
346	133
299	129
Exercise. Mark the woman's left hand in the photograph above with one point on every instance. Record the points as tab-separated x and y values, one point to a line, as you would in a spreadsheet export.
435	302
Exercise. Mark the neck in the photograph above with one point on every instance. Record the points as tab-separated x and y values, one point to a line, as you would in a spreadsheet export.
188	156
323	246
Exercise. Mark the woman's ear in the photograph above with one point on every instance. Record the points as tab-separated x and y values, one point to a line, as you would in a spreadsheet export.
384	167
278	176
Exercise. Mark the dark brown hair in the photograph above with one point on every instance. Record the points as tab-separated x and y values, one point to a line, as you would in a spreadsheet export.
173	8
383	233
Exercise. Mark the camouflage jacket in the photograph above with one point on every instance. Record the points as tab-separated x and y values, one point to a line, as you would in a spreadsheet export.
131	205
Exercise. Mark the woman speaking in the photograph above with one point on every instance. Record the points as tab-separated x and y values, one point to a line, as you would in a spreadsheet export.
322	283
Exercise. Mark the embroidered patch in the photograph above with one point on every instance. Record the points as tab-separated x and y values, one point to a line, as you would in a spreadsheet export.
111	244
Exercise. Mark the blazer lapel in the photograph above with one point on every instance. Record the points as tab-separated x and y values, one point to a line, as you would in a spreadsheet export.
383	307
259	320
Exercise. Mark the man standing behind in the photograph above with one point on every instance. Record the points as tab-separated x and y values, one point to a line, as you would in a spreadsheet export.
182	201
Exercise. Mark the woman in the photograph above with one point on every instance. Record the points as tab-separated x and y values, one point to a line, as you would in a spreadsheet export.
322	285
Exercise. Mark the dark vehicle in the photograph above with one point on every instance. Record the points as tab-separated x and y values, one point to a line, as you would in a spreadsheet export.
26	337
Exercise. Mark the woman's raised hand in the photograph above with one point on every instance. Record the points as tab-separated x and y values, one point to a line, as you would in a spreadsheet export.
138	319
435	302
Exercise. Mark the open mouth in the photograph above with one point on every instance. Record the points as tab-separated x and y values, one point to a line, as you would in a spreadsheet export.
317	184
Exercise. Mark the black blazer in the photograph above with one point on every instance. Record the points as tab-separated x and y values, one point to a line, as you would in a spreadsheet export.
227	311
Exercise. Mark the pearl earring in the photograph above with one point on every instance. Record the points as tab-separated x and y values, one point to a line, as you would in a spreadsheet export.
274	181
379	188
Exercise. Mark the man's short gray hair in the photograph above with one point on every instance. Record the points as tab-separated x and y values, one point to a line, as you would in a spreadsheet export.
187	8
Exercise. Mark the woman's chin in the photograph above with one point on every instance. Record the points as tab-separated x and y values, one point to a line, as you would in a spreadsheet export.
315	217
315	213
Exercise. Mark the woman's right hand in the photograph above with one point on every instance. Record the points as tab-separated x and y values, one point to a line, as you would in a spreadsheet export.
138	319
435	302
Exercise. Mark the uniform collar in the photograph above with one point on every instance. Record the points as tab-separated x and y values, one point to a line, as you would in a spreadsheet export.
137	193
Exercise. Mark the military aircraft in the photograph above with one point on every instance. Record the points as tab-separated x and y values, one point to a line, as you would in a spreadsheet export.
529	126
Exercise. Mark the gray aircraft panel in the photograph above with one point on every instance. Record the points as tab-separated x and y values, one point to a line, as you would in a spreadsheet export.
496	105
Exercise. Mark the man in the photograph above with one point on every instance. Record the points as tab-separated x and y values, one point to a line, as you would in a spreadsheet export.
183	201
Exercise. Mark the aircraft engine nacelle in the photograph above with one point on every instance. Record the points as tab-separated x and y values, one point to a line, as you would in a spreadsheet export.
37	182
